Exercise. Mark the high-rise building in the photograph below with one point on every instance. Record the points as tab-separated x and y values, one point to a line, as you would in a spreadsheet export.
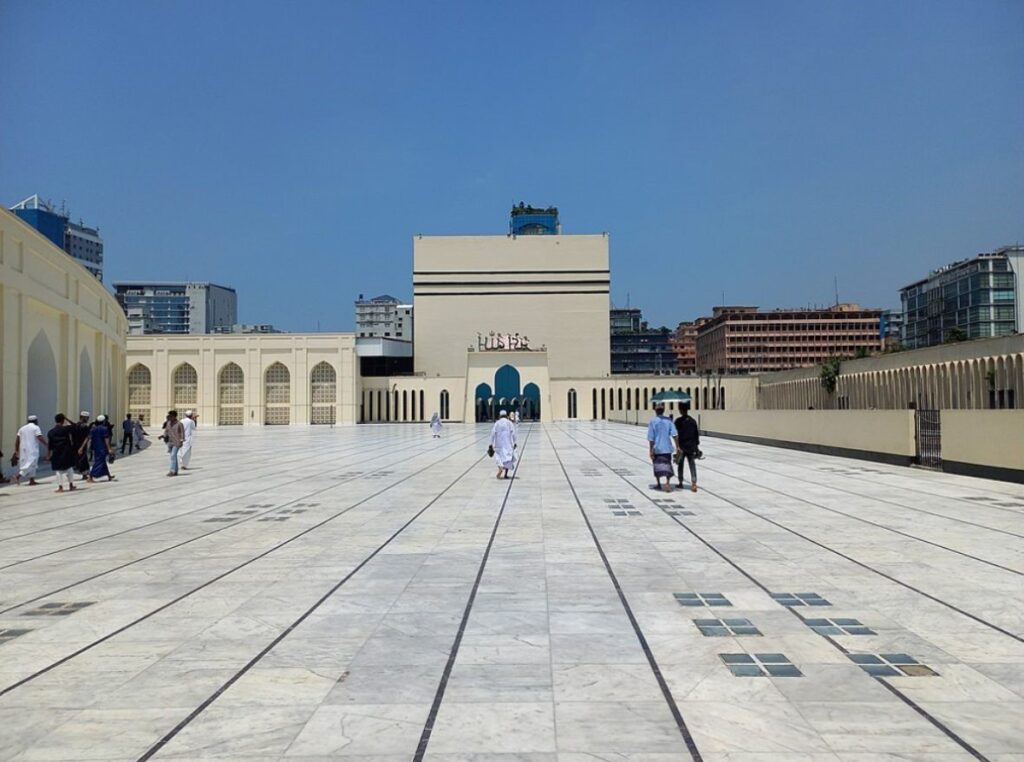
81	242
638	348
744	340
981	297
530	220
383	317
684	344
161	307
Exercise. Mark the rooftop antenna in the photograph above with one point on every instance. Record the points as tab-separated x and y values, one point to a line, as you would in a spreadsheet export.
835	283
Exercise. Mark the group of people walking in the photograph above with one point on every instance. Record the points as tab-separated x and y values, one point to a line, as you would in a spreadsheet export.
86	447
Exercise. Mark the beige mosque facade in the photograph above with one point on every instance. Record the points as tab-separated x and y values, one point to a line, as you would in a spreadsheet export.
63	334
514	322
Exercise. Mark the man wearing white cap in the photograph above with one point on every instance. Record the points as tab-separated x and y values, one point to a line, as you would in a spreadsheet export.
189	426
26	451
503	444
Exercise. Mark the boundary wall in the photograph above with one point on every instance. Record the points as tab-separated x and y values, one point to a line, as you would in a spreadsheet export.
985	443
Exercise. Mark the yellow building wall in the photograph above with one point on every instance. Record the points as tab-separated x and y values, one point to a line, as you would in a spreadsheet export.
63	334
254	354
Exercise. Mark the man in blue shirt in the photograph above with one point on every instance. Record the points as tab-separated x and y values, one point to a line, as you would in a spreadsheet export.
659	440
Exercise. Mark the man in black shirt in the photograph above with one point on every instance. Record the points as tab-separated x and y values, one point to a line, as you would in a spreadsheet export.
687	444
79	434
62	452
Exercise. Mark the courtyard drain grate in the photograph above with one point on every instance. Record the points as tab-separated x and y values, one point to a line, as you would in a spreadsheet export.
680	513
721	628
260	505
241	513
10	634
800	599
892	665
760	665
701	599
58	609
274	518
220	520
838	627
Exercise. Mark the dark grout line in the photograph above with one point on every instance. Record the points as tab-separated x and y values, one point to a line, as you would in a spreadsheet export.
852	560
222	575
435	706
305	615
677	715
949	732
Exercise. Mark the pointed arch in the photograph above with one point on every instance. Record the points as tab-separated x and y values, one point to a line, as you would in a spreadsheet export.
41	379
506	382
444	406
570	404
277	395
184	387
482	397
323	394
531	395
231	395
140	387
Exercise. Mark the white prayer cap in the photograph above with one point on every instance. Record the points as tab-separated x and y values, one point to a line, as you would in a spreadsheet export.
502	414
101	418
188	412
84	414
33	418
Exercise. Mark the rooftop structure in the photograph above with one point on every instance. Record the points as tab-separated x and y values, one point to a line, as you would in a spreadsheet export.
529	220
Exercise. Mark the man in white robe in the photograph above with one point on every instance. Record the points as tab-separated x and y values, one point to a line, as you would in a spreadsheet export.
503	440
189	425
26	450
435	426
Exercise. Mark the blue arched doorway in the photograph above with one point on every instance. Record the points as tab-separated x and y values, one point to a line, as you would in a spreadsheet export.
484	401
531	403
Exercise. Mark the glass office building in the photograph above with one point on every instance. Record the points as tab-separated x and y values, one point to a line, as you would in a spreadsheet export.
159	307
981	297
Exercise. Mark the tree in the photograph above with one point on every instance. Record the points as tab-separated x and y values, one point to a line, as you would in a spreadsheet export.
861	353
830	374
955	334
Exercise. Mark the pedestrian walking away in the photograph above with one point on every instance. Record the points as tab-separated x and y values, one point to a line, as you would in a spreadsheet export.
188	426
80	437
127	433
62	452
174	435
26	451
687	445
659	445
435	426
503	442
99	444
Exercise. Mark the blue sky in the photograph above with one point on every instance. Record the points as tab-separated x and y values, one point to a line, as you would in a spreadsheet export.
293	150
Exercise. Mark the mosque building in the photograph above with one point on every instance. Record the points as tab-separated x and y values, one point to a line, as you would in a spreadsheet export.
529	334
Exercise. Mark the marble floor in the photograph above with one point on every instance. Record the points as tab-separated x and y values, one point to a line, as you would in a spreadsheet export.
374	594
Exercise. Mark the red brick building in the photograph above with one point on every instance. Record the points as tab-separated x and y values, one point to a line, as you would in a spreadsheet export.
744	340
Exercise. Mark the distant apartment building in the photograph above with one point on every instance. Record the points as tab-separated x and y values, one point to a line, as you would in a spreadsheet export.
81	242
637	348
383	317
982	297
155	307
684	344
746	340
